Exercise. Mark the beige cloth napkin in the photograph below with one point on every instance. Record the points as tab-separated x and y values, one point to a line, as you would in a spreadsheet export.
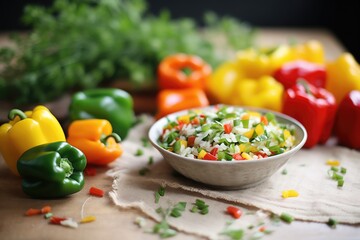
307	172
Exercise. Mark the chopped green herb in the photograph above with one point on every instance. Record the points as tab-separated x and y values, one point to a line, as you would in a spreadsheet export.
250	227
151	160
286	217
164	230
194	209
145	142
200	207
139	152
161	191
335	169
157	197
143	171
284	171
343	170
340	183
178	209
234	234
332	223
48	215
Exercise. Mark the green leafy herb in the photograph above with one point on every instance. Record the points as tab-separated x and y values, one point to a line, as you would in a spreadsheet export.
234	234
284	171
178	209
145	142
159	193
164	230
286	217
139	152
104	40
151	161
200	207
332	223
144	171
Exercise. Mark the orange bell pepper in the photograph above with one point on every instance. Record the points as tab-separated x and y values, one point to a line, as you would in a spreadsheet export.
94	137
169	101
172	72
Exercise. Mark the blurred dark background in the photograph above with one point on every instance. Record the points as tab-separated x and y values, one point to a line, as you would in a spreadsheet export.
341	17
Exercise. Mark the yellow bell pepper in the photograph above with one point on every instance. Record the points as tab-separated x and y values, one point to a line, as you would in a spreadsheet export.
265	92
343	75
220	85
311	51
257	63
27	130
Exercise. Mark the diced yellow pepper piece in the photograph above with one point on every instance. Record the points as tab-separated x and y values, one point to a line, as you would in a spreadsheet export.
202	154
334	163
259	129
290	193
246	156
249	133
88	219
287	134
184	119
183	143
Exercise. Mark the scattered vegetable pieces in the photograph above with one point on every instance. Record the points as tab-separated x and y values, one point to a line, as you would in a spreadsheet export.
94	191
200	206
337	174
289	193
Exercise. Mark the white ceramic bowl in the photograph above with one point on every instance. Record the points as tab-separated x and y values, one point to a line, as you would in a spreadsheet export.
228	174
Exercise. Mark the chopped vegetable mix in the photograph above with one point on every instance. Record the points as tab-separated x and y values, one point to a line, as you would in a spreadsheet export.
226	133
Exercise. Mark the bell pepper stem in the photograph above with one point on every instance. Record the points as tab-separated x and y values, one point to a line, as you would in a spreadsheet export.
16	112
113	135
305	84
67	166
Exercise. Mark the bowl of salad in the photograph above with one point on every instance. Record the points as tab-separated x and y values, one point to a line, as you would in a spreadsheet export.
228	147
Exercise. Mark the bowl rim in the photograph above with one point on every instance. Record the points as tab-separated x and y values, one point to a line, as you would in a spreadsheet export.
292	120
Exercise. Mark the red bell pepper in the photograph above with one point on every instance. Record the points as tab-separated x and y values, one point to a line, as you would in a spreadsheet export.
290	72
314	107
347	122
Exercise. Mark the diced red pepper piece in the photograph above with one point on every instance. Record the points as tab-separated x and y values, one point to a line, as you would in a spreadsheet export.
45	209
209	156
237	156
234	211
227	128
32	212
195	121
56	220
191	141
96	192
264	120
261	154
214	151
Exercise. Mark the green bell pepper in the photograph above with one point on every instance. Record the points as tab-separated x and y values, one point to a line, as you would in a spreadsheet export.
114	105
52	170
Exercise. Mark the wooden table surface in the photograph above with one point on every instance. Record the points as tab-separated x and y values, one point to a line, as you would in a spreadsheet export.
115	223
